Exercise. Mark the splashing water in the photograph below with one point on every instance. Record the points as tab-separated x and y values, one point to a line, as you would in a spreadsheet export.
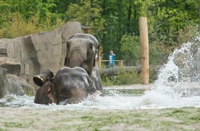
177	86
178	80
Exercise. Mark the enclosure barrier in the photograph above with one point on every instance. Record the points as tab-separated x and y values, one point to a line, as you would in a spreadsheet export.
115	70
100	61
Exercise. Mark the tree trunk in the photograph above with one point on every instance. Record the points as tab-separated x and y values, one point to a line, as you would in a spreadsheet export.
129	17
119	6
104	35
135	16
104	41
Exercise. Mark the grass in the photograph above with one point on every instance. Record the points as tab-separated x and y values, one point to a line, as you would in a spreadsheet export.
107	120
22	124
1	129
28	93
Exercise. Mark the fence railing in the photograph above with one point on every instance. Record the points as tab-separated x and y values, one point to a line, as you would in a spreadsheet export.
100	62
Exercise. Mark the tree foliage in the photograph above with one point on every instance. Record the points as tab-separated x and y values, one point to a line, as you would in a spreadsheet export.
27	7
23	17
113	22
130	48
88	14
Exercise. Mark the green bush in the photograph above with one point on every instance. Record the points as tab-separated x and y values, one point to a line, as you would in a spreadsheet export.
124	77
17	25
130	48
106	80
153	75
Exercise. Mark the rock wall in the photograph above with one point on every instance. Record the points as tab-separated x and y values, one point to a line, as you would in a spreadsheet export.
29	55
9	85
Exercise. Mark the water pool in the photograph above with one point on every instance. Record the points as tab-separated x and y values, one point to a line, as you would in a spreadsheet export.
177	86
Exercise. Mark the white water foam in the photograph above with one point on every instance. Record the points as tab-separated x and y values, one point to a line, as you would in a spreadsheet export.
177	86
151	100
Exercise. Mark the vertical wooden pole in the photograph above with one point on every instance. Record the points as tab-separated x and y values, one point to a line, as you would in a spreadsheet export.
144	50
99	62
88	30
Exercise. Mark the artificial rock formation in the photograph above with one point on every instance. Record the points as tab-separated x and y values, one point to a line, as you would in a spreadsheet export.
29	55
9	85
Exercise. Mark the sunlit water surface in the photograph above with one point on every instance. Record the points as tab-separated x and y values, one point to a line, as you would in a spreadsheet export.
173	88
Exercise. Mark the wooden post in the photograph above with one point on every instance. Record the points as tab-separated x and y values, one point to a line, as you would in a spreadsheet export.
121	63
87	29
99	62
144	50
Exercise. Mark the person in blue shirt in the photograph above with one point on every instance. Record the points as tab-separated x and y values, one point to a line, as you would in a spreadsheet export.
111	59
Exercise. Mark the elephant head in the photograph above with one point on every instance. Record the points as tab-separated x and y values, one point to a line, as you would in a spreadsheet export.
82	51
70	85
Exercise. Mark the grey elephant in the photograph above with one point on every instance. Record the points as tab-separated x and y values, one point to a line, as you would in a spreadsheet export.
69	85
83	51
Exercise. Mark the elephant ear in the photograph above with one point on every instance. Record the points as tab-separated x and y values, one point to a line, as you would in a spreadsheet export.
65	63
91	88
52	92
66	57
98	47
96	57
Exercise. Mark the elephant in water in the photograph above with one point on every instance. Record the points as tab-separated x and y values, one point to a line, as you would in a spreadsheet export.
83	51
69	85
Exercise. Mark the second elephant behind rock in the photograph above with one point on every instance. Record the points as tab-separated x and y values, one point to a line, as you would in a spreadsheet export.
83	51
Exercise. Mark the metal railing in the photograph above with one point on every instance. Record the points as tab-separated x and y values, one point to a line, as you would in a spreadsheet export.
100	62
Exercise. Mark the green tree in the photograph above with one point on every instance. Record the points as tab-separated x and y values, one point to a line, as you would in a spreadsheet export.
130	48
61	7
88	13
166	22
24	17
196	4
27	7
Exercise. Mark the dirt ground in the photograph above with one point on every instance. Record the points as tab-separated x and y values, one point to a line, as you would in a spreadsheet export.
18	119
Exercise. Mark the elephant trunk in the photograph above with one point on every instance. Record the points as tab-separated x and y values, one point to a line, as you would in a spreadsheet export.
76	58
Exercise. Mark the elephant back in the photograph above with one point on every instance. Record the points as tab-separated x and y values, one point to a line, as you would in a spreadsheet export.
84	36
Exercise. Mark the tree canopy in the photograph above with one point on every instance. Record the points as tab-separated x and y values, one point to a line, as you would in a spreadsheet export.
115	22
